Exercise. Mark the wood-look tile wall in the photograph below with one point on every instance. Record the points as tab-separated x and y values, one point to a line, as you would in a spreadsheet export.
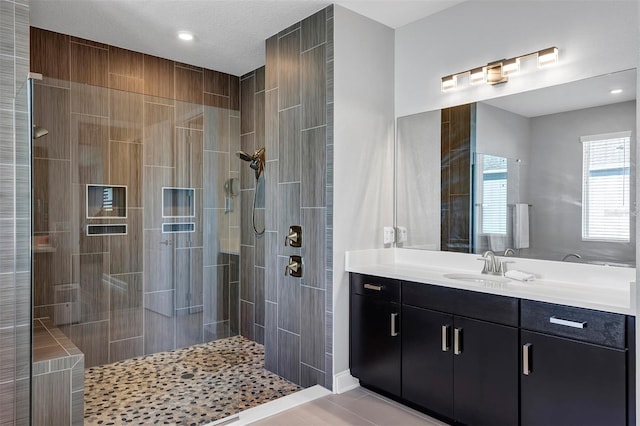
457	149
117	117
15	195
291	102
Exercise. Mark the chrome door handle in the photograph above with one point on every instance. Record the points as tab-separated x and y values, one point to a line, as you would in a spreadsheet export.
526	359
457	341
394	331
445	338
568	323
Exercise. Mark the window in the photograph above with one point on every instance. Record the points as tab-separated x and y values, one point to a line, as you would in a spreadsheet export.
605	187
494	195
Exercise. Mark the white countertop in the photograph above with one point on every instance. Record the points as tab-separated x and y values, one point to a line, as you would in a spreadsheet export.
604	288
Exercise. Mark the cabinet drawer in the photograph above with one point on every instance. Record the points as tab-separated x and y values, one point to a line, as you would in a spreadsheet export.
367	285
471	304
587	325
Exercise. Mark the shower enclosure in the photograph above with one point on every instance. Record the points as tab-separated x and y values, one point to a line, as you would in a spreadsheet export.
136	227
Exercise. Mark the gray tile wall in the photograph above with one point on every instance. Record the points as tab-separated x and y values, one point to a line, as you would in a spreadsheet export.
292	109
15	246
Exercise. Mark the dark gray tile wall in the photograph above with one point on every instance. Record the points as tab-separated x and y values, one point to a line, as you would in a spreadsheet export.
294	118
15	193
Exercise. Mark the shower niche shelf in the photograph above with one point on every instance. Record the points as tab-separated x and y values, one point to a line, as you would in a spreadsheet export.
178	202
106	201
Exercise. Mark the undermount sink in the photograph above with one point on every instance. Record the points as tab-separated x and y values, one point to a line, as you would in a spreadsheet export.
479	278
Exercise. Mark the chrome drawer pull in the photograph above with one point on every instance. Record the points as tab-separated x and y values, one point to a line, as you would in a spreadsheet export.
568	323
445	338
373	287
457	341
526	354
394	332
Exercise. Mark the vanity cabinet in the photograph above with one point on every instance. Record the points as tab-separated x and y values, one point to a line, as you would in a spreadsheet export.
574	366
375	332
483	359
459	367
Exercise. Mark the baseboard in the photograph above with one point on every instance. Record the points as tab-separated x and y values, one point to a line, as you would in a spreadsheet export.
344	382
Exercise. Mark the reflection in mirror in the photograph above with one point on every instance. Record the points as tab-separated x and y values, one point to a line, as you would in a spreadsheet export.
553	174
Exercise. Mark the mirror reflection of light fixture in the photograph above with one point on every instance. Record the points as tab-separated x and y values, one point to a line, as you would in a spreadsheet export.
499	71
449	82
478	75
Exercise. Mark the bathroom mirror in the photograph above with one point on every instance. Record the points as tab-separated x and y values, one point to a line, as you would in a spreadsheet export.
551	173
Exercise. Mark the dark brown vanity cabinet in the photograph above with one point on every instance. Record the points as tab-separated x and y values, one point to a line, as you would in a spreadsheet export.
459	367
574	366
375	332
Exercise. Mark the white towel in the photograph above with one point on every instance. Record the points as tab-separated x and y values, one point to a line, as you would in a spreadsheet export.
521	226
519	275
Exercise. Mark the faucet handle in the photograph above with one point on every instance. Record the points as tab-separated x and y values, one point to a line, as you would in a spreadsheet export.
503	266
488	265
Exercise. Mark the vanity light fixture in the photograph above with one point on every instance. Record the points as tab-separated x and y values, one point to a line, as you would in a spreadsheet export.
185	35
615	91
547	57
449	83
478	75
499	71
510	66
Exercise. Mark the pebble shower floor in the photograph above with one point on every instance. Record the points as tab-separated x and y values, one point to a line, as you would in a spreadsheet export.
195	385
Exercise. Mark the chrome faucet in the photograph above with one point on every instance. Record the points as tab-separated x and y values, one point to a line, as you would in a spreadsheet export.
576	255
492	264
509	252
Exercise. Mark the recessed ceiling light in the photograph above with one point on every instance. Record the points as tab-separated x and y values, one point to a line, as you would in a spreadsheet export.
185	35
616	91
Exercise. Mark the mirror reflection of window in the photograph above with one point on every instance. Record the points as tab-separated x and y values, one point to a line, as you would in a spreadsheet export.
605	187
494	195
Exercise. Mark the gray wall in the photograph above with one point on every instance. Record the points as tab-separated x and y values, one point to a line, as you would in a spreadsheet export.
555	186
287	106
14	214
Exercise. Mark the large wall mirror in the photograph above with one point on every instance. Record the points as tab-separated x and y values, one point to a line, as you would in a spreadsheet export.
551	174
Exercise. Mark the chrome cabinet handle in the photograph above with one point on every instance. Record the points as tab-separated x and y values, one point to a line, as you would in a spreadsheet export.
568	323
373	287
526	359
394	332
457	341
445	338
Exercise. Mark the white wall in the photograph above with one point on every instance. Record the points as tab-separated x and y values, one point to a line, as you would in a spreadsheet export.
363	153
593	38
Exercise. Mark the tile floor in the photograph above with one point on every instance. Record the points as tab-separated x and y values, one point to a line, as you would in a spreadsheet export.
356	407
190	386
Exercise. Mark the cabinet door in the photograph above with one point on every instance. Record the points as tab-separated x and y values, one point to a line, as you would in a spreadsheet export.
485	373
375	342
571	383
427	364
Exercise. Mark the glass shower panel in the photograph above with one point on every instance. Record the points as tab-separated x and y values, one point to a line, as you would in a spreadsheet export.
136	223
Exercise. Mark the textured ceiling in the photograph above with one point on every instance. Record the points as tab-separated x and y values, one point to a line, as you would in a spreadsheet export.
229	34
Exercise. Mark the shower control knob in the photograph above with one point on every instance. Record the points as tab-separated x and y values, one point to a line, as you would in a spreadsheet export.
294	237
294	268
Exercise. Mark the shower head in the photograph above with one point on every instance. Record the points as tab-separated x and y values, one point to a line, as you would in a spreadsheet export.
39	132
256	160
244	156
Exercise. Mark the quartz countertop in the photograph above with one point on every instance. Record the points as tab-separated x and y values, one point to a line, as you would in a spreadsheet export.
604	288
